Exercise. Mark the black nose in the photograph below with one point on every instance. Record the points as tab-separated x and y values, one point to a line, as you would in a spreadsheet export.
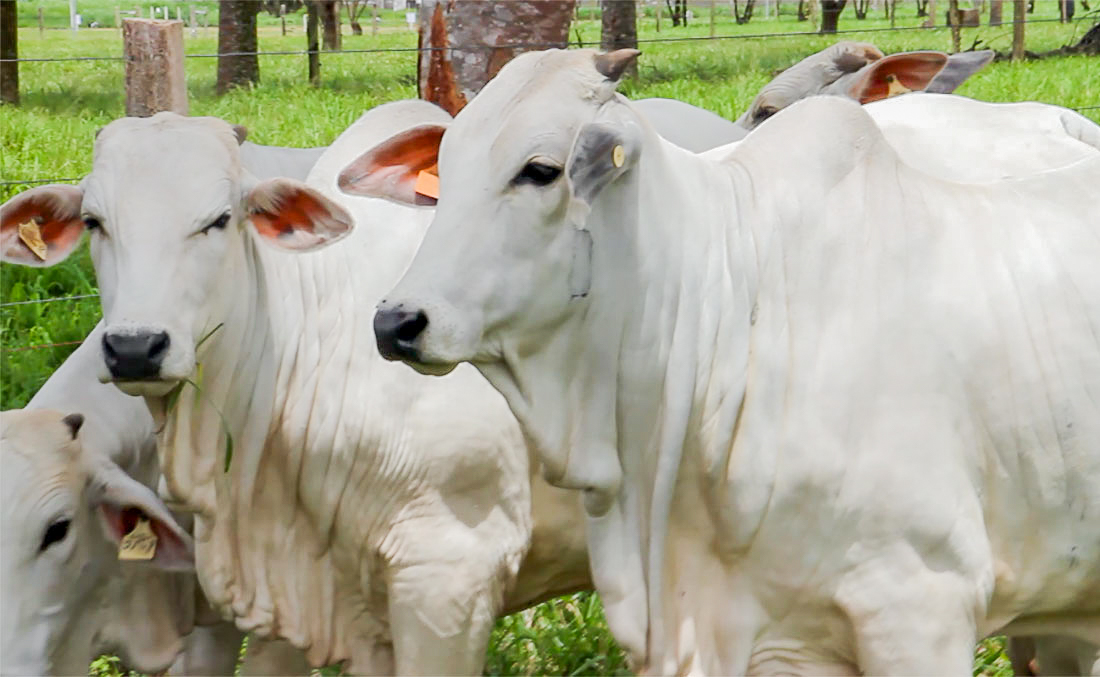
135	357
396	331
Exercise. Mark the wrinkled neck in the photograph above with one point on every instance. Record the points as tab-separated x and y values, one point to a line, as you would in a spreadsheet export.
610	399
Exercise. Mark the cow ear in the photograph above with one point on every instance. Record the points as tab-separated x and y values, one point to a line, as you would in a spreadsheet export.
849	57
398	168
291	215
897	74
602	152
123	503
959	67
41	226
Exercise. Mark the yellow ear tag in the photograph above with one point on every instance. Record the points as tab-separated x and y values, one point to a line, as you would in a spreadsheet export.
32	237
618	157
894	86
139	544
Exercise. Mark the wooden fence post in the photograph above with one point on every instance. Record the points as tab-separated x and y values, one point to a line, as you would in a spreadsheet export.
954	20
1019	15
658	16
154	67
713	16
41	23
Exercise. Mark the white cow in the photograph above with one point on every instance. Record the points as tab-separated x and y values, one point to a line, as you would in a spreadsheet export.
367	515
141	613
830	414
67	598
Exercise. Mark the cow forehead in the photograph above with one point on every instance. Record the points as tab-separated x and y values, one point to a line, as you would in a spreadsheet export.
536	99
166	157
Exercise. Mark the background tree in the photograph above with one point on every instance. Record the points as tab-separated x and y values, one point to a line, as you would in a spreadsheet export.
9	49
471	40
743	16
355	9
619	27
830	14
677	9
330	24
238	65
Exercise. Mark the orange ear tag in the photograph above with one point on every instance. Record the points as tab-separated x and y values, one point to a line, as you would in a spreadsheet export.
427	185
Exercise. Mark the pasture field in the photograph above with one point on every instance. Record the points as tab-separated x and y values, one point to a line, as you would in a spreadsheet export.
63	103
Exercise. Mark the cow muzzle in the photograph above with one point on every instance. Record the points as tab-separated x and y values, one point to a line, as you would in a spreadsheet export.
397	332
135	356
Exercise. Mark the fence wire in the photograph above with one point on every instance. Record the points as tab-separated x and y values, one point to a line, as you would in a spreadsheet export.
410	50
550	45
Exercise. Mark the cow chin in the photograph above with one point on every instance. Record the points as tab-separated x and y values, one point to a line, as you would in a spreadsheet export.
433	368
146	388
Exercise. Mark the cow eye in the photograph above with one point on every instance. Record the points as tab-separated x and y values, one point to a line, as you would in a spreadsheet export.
764	113
55	533
217	224
92	223
537	174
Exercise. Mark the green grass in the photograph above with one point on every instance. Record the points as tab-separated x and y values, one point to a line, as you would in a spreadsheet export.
63	104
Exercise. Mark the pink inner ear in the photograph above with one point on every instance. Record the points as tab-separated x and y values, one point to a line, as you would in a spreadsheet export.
390	170
914	70
60	231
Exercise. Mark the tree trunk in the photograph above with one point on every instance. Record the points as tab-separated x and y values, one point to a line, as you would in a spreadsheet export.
9	49
996	12
471	40
355	9
830	15
802	14
619	28
745	16
861	8
922	8
330	24
236	34
674	12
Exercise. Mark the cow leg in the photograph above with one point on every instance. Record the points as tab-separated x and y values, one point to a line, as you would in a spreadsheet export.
209	650
440	619
1066	656
908	620
273	657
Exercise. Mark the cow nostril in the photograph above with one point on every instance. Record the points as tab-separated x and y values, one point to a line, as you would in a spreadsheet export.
108	348
158	346
412	327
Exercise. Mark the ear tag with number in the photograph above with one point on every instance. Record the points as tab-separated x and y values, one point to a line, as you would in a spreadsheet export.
618	156
139	544
32	237
894	86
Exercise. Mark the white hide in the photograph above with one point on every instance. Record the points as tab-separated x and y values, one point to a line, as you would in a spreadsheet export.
368	515
67	603
831	414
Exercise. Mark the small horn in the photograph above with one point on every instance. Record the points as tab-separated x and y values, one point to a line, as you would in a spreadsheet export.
241	133
74	421
612	65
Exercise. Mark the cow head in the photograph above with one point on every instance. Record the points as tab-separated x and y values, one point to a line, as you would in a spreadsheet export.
67	597
172	217
508	254
522	175
858	70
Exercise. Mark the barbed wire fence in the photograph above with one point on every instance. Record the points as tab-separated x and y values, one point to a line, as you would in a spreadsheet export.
1091	16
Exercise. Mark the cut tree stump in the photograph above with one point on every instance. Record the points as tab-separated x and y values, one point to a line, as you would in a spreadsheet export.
154	67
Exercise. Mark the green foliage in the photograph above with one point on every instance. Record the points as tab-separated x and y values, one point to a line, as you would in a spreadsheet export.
50	135
565	636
